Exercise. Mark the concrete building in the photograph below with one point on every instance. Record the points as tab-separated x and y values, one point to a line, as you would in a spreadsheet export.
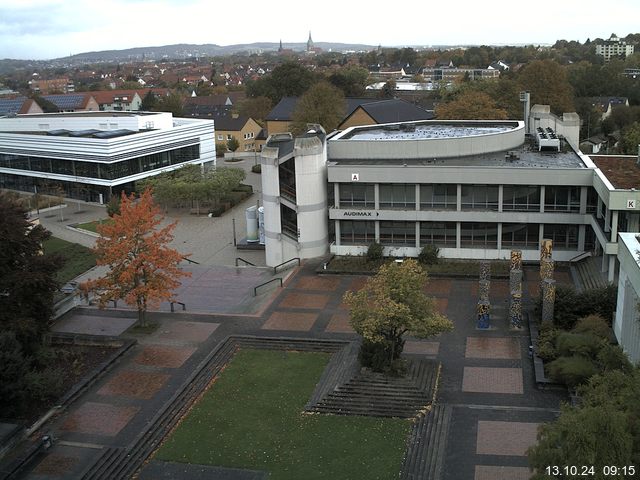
614	47
475	189
92	155
626	325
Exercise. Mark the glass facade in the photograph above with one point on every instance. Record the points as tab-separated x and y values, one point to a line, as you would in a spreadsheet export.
357	233
520	198
479	197
398	195
98	170
521	235
357	195
478	235
438	197
441	234
400	234
562	199
565	237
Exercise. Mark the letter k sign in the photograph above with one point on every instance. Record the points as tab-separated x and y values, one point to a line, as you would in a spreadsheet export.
631	204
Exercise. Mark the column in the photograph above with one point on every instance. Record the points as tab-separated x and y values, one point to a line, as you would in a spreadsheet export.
614	226
417	234
542	195
500	200
458	232
499	244
583	200
337	230
582	235
459	197
612	268
336	194
376	196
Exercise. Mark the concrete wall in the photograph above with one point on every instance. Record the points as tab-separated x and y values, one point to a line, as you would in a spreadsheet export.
567	126
627	325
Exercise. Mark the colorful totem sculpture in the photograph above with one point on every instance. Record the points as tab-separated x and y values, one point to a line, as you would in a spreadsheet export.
483	308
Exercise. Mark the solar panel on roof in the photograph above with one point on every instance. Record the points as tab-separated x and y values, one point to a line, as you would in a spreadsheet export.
65	102
83	133
11	105
113	133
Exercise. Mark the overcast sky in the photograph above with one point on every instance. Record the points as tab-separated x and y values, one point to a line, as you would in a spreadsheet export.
44	29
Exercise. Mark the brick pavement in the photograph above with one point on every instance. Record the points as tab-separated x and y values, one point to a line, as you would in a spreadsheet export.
484	376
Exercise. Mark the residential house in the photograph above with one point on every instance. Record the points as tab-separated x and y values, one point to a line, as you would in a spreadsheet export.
614	47
18	106
54	85
117	100
74	102
605	105
228	125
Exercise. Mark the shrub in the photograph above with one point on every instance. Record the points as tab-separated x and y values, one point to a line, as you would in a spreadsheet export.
583	344
546	345
595	325
570	305
256	168
113	206
429	255
45	384
612	357
375	355
375	251
13	369
221	148
572	371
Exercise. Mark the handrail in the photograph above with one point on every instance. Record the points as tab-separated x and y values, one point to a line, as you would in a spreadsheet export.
245	261
190	261
275	269
255	289
184	307
580	256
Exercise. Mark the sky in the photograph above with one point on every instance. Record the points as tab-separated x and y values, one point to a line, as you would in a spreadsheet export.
46	29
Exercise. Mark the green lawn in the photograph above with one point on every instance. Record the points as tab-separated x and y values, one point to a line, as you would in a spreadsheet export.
92	226
252	418
77	258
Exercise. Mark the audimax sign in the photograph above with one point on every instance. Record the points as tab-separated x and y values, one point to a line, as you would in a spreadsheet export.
359	213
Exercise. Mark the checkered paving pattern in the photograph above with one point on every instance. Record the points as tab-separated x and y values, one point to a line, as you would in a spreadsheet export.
318	283
496	348
99	419
486	472
143	385
438	286
304	300
492	380
163	356
297	321
505	438
339	323
421	348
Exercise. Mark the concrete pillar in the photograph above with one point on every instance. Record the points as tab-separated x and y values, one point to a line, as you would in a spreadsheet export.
583	200
417	196
542	194
614	226
459	198
377	231
336	195
458	232
582	234
500	201
417	234
612	268
499	244
337	230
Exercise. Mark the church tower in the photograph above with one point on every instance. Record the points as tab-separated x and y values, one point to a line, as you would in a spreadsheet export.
309	43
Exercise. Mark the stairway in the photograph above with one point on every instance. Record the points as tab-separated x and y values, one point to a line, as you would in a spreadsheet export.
588	273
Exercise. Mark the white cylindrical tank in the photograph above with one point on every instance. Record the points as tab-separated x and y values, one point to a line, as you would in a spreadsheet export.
261	225
252	224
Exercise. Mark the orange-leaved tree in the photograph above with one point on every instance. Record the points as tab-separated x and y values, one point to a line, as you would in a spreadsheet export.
143	270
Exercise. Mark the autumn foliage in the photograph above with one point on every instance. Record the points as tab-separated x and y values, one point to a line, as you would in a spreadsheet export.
143	270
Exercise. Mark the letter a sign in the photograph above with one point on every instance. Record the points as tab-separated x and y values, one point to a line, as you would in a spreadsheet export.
355	177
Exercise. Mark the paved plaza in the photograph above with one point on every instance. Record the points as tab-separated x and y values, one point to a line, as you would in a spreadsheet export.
487	377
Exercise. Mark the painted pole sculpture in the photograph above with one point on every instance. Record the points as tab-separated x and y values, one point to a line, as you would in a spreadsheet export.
547	283
548	299
483	308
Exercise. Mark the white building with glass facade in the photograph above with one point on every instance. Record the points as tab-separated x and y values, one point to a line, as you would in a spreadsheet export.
92	155
475	189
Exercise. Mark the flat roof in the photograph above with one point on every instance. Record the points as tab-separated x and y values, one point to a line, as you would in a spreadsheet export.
526	156
622	171
103	113
431	130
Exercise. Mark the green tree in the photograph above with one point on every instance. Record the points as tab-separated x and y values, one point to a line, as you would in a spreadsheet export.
257	108
471	105
173	103
593	435
351	80
323	104
630	142
393	303
388	89
233	144
149	102
27	278
290	79
549	85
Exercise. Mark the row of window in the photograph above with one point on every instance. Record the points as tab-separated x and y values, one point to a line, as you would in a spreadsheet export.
443	234
106	171
473	197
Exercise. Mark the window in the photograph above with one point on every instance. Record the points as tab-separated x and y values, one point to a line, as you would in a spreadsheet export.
229	137
220	137
358	195
401	234
479	235
440	234
524	235
438	197
479	197
565	237
354	232
562	199
592	200
520	198
400	196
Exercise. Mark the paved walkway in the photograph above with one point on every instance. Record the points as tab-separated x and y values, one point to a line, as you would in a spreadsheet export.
487	377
